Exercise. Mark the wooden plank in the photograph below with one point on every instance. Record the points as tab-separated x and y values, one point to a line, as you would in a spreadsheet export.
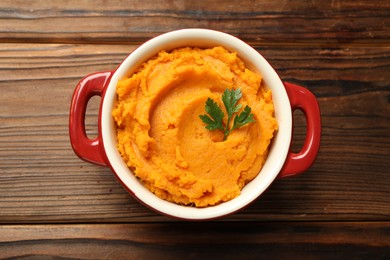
42	181
358	240
293	21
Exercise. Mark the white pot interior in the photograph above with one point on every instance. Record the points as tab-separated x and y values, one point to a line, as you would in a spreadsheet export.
279	147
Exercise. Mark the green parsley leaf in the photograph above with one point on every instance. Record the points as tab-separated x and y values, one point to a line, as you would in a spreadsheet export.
245	117
230	99
214	120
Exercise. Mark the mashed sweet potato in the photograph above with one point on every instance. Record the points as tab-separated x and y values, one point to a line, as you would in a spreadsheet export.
165	143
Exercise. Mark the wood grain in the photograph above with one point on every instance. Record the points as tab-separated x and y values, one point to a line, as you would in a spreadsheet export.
294	21
235	240
55	206
42	181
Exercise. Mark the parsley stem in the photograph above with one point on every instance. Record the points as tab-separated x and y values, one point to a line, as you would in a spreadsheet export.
227	132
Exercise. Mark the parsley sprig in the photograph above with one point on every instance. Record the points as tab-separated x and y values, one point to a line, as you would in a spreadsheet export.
214	119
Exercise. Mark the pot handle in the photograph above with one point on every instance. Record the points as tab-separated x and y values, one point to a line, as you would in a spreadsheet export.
304	100
91	150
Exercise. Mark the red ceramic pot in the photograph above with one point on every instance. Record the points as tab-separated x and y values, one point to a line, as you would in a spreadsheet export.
281	162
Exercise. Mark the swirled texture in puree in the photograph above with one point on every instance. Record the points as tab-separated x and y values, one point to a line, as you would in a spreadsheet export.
165	143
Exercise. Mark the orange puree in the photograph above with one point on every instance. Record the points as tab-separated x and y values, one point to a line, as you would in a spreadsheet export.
165	143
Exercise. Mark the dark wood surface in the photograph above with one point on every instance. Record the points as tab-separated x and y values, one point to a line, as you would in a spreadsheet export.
52	204
237	240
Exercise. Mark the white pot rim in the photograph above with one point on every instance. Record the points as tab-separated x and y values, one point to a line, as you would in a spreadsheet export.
279	147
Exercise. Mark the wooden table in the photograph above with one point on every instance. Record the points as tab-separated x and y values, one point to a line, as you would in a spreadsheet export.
52	204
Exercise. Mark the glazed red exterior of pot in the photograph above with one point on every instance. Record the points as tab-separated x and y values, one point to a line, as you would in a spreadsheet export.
304	100
92	150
